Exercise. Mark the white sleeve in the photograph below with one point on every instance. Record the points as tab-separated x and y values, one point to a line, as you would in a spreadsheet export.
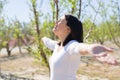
73	47
49	43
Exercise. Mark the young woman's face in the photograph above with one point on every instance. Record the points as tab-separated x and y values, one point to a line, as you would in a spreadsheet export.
61	27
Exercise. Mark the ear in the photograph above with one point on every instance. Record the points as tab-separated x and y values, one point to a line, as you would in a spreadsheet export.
68	29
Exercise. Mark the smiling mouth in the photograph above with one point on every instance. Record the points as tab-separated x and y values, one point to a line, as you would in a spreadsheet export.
55	28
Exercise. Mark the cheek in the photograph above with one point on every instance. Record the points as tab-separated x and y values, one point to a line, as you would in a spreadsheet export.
60	25
62	28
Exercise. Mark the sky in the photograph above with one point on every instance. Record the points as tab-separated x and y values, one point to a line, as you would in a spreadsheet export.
19	9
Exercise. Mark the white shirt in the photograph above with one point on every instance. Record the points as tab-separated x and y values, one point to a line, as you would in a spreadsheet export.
63	64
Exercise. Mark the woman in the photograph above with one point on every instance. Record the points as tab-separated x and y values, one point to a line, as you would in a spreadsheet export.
66	52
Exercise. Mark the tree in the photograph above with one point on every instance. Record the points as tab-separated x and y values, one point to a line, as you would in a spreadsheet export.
39	53
2	22
113	21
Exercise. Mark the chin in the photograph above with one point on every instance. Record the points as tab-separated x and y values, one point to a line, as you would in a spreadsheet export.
55	33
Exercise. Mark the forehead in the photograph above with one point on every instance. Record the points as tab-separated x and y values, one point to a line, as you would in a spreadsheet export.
62	18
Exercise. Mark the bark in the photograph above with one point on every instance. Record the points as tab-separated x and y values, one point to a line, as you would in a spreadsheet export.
38	35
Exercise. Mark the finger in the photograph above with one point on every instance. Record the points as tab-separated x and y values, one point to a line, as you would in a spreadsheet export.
101	59
100	54
112	62
107	59
108	49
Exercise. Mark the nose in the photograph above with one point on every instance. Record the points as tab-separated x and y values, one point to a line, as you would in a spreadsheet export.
56	23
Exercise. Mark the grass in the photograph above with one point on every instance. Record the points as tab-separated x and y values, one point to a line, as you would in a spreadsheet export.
102	70
25	62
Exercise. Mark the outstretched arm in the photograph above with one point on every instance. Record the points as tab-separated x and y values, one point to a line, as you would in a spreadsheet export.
49	43
100	52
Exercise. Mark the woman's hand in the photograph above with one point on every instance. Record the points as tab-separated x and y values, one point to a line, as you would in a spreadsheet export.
101	53
43	38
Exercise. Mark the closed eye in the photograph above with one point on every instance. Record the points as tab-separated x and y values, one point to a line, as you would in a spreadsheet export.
58	21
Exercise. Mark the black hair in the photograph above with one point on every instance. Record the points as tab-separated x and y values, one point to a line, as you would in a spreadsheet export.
76	29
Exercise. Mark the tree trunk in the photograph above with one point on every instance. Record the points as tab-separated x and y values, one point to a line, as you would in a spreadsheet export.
8	49
19	45
57	9
38	35
79	13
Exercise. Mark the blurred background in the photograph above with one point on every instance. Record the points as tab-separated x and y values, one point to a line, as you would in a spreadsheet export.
24	22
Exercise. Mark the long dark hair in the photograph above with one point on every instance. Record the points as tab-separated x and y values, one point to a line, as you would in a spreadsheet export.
76	29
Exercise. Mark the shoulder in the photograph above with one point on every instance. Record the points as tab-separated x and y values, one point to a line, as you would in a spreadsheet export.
48	39
71	43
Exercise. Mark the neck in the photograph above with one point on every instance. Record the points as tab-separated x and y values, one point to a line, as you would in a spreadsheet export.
62	39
